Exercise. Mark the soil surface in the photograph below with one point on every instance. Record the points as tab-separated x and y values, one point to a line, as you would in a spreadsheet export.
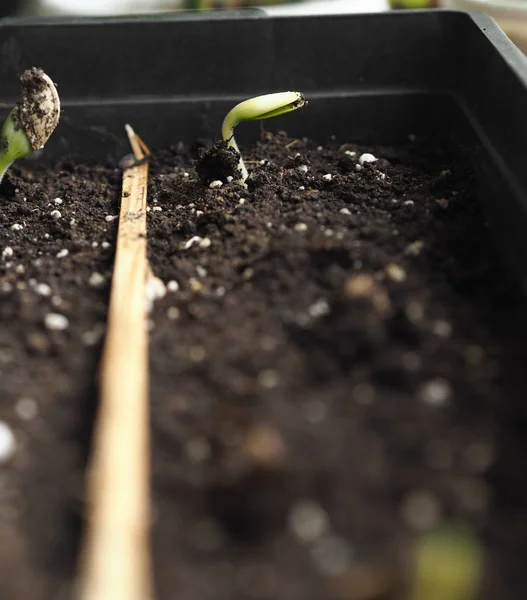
337	367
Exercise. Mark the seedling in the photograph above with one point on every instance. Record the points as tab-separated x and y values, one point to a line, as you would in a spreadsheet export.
32	120
256	109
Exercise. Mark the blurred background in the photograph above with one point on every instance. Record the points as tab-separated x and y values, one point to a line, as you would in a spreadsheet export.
510	14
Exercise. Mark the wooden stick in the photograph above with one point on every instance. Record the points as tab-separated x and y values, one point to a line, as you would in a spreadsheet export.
115	560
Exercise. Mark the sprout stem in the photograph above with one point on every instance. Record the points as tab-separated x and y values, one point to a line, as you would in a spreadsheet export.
255	109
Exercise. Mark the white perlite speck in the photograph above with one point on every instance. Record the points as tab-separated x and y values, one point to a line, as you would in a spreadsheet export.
302	168
7	252
63	253
319	308
105	245
96	280
201	271
43	289
300	227
7	442
308	521
327	176
56	322
172	286
366	158
26	409
58	201
155	290
215	184
110	218
56	214
173	313
17	227
436	392
345	211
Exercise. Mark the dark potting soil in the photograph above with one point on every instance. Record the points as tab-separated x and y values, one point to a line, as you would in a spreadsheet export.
336	367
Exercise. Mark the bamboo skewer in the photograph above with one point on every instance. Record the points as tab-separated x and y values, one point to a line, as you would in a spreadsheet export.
115	559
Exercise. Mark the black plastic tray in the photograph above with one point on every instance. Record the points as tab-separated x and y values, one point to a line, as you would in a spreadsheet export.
373	78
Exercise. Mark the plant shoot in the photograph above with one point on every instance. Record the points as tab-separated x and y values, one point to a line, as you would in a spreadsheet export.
32	120
256	109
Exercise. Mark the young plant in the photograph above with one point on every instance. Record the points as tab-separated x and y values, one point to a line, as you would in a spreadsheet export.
255	109
32	120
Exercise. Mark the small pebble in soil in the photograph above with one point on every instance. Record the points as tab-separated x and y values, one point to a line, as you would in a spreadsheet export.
7	252
331	555
58	201
420	510
195	284
474	354
367	158
314	411
7	442
363	393
43	289
63	253
436	392
411	361
327	176
197	354
215	184
93	336
443	329
95	244
56	214
157	209
395	272
268	378
206	536
197	449
26	408
300	227
96	280
173	313
56	322
414	311
264	446
17	227
308	521
479	456
105	245
345	211
172	286
438	455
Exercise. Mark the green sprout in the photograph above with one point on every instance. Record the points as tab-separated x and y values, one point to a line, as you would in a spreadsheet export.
32	120
256	109
449	565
